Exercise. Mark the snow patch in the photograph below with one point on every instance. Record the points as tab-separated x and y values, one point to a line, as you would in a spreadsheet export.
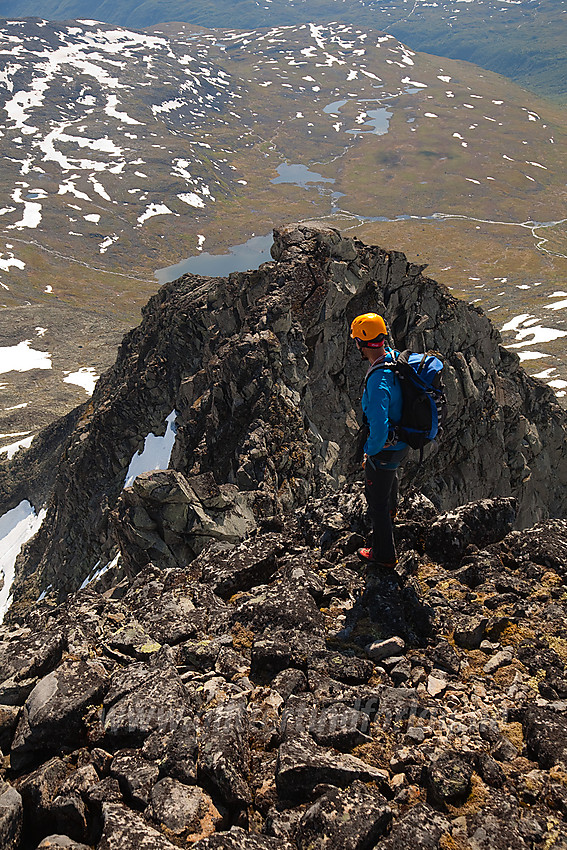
192	199
156	452
16	527
98	571
11	450
153	210
406	81
10	261
23	358
85	377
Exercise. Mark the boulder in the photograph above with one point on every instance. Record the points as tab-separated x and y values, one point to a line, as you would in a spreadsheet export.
342	666
469	631
11	814
446	659
163	519
556	798
436	685
143	699
199	655
33	655
295	570
264	718
380	649
500	825
280	606
105	791
341	727
277	651
479	523
69	814
420	828
400	674
186	812
131	639
327	690
9	715
123	829
289	682
224	754
173	617
252	563
40	787
490	770
336	725
545	733
181	753
60	842
545	544
302	765
238	839
397	704
449	778
52	716
350	819
231	664
54	798
135	775
499	659
126	680
14	691
282	824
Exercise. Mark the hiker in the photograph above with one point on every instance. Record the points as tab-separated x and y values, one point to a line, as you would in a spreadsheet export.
383	453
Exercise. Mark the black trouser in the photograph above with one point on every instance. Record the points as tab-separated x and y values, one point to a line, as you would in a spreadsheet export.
381	491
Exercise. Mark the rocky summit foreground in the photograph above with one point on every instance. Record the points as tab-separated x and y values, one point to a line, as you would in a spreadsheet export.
197	659
268	696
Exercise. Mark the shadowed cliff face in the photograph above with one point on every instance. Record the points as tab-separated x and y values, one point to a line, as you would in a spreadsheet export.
266	384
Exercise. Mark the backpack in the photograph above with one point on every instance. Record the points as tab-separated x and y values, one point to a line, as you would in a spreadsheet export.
423	396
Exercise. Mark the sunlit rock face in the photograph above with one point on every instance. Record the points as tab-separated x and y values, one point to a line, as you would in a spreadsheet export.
252	385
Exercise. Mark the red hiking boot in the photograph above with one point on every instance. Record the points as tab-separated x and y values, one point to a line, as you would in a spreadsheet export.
368	558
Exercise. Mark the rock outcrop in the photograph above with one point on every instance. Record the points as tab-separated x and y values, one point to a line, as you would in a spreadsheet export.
266	384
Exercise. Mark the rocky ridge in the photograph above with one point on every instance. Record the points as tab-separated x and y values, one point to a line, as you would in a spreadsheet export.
230	678
265	384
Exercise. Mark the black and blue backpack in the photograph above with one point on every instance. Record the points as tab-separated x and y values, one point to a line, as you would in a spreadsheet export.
423	396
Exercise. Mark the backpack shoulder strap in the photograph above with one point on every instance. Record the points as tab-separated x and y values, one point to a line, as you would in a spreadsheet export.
391	365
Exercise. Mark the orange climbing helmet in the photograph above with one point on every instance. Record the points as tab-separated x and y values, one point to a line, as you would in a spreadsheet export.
370	329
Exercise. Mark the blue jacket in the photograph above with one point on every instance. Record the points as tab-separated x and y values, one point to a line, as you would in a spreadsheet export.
382	407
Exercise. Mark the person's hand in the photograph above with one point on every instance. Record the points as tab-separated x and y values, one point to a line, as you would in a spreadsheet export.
364	459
